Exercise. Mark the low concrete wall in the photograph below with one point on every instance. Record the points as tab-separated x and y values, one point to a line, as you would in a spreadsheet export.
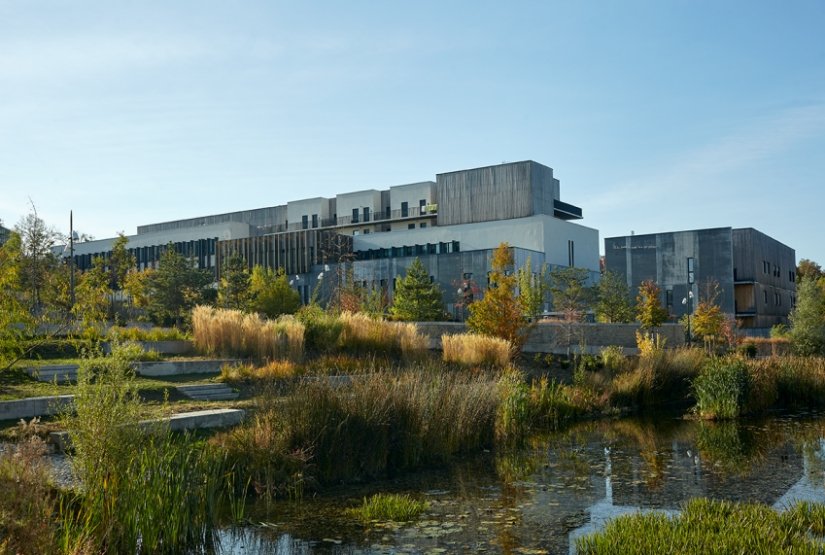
201	419
554	337
175	367
34	406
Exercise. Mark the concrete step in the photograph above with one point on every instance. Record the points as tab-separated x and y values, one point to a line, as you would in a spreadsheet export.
208	392
62	373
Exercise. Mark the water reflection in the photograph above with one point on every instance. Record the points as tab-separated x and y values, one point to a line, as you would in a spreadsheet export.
563	485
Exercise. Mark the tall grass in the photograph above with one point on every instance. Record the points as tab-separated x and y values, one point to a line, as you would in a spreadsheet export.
140	492
471	349
233	333
375	426
27	501
363	334
706	526
721	388
660	377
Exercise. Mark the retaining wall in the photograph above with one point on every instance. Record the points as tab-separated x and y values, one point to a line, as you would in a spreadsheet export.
33	406
555	337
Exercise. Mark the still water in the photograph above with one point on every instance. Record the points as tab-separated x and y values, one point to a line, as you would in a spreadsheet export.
559	487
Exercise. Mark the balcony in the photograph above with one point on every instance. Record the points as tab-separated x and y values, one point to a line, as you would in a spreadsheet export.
429	210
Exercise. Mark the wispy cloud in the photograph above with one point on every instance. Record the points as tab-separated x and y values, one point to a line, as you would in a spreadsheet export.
703	167
59	58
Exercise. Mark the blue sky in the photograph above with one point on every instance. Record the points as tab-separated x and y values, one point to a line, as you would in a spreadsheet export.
654	115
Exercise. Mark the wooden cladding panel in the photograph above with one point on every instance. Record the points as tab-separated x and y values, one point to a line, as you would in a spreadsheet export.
485	194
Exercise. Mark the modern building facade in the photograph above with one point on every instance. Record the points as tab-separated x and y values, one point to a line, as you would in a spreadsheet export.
4	234
452	224
756	274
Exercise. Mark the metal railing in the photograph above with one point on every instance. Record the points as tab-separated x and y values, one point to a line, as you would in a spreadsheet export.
380	216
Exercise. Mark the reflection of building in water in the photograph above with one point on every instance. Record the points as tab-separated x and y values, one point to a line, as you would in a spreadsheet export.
631	484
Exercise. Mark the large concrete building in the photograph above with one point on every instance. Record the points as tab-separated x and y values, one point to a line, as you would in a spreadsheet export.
755	273
452	224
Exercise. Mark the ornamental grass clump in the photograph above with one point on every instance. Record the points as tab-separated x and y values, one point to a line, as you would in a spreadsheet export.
389	506
472	349
710	526
721	389
363	334
233	333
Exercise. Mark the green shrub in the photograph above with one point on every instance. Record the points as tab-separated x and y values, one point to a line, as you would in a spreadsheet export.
389	506
614	359
48	348
322	329
721	389
748	349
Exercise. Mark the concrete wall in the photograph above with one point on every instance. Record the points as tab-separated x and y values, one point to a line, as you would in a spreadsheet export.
345	204
663	258
540	233
256	217
307	207
412	194
554	337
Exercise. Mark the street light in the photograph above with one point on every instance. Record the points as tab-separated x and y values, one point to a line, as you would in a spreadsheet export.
688	301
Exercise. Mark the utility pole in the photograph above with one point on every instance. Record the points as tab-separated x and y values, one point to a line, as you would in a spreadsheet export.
71	259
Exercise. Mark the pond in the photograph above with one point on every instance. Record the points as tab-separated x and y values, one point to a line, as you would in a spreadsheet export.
561	485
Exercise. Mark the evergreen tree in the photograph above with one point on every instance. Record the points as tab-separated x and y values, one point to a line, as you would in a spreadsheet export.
175	287
233	290
649	308
808	317
614	304
271	294
416	298
499	313
571	294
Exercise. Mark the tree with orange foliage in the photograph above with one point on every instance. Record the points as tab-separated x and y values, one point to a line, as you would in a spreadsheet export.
499	312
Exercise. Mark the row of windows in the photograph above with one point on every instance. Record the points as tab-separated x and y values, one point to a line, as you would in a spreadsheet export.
409	250
200	250
777	298
776	271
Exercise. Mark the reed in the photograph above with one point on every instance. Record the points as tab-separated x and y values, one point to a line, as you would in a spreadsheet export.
470	349
721	389
374	426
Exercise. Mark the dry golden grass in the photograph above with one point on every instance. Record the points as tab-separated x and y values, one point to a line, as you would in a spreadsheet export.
470	349
224	332
364	334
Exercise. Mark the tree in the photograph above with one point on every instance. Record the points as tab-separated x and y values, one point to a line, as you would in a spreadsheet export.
416	298
809	269
271	293
92	294
233	290
614	304
708	319
175	288
532	289
37	260
571	294
649	308
120	262
135	284
15	318
808	318
499	313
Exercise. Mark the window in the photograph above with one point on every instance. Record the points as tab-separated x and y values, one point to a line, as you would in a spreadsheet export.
366	214
366	231
691	274
669	297
355	215
422	206
766	296
571	253
410	226
422	225
304	222
405	209
315	220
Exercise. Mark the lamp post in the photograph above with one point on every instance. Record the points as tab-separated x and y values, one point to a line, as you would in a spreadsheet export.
688	301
